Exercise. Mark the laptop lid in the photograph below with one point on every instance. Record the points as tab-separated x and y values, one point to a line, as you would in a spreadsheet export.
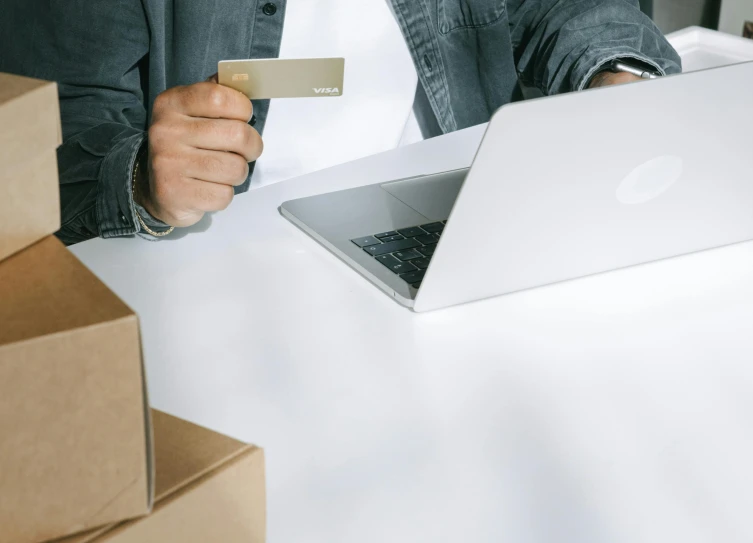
587	182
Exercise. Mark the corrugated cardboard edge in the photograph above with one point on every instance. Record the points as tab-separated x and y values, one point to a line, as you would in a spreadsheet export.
188	485
148	427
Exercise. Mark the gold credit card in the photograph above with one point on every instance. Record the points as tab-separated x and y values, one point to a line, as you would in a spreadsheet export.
283	78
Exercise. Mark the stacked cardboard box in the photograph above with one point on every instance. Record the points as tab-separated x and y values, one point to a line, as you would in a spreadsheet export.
75	448
76	451
29	134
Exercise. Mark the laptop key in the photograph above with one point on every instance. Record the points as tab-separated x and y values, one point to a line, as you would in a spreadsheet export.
432	228
426	251
413	277
386	234
410	254
427	239
396	265
411	232
391	247
366	241
387	239
420	263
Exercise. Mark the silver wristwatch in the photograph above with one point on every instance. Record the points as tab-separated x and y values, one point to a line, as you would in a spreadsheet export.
636	68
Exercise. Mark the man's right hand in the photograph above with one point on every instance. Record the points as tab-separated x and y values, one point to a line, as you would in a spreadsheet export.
200	145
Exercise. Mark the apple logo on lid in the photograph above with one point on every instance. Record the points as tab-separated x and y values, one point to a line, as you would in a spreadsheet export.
650	180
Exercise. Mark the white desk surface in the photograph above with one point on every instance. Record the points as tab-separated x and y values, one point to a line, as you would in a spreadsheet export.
616	408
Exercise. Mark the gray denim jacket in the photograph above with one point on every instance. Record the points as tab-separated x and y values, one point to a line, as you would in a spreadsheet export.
111	59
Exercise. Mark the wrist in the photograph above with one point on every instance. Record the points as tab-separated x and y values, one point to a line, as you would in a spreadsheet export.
147	219
141	178
605	78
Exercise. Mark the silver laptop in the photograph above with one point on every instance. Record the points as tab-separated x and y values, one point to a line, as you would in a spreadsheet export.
561	187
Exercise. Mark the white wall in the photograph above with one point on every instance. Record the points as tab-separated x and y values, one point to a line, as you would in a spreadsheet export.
671	15
307	134
734	14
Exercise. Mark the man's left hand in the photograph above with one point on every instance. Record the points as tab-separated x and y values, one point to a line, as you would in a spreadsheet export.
604	79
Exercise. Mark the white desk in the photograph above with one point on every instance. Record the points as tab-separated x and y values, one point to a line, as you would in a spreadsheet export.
617	408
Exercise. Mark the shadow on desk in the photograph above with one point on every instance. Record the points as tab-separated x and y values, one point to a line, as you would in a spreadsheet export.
201	226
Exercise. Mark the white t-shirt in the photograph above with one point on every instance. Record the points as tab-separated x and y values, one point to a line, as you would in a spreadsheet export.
307	134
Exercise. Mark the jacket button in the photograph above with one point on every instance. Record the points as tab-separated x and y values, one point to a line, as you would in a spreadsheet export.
269	9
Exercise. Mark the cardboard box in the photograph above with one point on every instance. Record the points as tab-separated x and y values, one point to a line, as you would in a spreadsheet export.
75	432
210	488
30	132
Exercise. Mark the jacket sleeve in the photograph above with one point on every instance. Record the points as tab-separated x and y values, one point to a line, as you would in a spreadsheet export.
94	51
560	44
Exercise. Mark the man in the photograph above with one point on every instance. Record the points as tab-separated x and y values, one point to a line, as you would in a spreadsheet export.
150	145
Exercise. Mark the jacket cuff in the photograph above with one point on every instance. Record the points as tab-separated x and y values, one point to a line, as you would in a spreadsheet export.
116	214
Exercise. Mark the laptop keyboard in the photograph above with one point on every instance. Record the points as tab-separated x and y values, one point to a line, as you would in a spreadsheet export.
406	252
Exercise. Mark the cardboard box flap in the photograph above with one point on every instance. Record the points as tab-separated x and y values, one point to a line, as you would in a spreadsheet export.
29	119
50	277
184	454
